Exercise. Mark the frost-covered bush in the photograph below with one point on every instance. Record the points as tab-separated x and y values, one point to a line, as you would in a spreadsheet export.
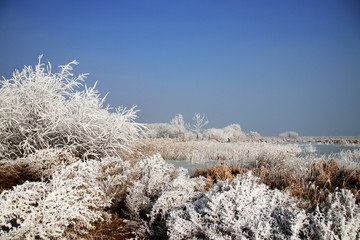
158	186
253	134
151	175
20	210
214	133
232	132
40	109
336	218
289	134
76	196
238	209
66	207
161	130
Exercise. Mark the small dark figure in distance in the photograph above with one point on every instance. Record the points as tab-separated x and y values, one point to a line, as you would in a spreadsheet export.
228	140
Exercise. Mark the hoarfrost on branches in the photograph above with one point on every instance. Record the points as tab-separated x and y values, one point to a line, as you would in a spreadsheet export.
67	206
232	132
200	122
238	209
155	184
41	109
336	218
178	123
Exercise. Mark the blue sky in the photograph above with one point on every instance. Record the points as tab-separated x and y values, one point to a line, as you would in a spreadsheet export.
270	66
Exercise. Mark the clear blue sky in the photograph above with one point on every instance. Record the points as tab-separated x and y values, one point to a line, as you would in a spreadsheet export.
270	66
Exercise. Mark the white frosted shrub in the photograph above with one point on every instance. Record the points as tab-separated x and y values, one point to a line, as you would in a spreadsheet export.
114	177
41	109
20	210
182	189
238	209
161	130
233	132
253	135
158	189
67	206
289	134
151	175
75	202
336	218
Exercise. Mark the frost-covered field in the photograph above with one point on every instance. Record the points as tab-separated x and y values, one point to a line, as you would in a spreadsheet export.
72	169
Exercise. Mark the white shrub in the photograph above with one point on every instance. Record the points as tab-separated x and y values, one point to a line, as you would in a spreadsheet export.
253	134
179	191
40	109
232	132
289	134
67	206
77	195
151	175
161	130
336	218
158	189
238	209
74	203
20	211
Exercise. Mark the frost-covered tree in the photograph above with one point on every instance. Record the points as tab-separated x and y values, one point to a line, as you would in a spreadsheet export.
199	123
178	123
41	109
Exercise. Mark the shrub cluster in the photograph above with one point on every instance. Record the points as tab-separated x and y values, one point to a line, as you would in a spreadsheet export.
79	195
178	129
243	208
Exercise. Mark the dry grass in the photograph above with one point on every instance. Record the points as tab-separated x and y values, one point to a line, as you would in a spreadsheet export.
12	175
219	172
118	229
313	186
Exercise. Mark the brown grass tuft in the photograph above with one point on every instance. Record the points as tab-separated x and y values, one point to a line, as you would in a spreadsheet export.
118	229
12	175
219	172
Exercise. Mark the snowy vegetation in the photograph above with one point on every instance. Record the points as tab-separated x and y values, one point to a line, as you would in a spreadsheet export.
179	129
240	152
289	134
68	165
41	109
239	209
